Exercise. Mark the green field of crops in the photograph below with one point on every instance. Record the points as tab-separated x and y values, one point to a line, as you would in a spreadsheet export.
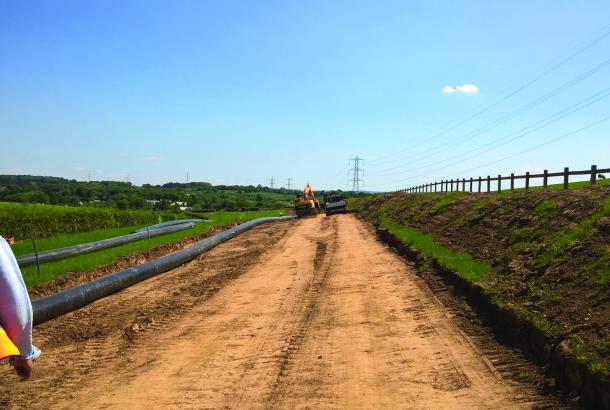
50	271
27	221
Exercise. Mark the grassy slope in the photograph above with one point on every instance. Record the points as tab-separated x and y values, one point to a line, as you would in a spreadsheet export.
555	233
84	263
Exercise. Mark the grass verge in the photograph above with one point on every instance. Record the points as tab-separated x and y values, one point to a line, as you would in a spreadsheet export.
84	263
462	263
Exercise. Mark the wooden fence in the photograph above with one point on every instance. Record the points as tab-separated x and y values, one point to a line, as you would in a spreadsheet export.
477	184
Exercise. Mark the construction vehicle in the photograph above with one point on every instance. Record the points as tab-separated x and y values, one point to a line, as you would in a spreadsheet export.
334	204
306	204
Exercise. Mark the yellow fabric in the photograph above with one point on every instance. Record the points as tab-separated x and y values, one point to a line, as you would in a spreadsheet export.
7	347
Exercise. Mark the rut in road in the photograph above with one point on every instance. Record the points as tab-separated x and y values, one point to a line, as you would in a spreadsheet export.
310	314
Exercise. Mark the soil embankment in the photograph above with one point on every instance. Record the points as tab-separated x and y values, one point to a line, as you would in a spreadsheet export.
311	314
549	253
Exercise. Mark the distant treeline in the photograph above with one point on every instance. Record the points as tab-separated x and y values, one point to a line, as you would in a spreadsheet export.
124	195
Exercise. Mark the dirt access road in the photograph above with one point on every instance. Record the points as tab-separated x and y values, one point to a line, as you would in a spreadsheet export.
308	314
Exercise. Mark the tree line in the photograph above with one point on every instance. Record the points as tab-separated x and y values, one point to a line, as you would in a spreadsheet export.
125	195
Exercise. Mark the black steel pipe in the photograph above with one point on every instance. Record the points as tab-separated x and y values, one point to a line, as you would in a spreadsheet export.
84	248
169	223
50	307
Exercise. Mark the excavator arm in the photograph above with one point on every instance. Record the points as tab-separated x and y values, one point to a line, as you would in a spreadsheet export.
308	191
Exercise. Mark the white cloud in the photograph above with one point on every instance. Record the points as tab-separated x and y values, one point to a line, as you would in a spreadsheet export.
78	168
464	89
153	158
468	89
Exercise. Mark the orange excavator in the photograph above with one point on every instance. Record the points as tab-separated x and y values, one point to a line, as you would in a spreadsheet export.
306	204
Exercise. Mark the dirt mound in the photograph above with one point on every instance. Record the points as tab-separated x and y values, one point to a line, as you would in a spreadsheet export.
549	250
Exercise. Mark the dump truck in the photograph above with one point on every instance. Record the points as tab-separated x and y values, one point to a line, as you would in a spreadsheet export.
306	204
334	204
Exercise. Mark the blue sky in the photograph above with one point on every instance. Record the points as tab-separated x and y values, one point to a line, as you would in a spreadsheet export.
238	92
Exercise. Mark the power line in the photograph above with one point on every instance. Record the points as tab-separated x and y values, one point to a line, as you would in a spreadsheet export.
340	178
498	121
552	140
532	148
519	134
502	99
357	172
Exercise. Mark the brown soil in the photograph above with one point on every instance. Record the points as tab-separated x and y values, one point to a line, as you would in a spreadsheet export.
311	314
488	227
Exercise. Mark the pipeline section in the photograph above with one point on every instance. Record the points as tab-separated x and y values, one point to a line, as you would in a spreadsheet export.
52	306
84	248
169	223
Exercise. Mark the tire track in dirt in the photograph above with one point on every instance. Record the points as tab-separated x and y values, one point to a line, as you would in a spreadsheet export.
507	362
324	253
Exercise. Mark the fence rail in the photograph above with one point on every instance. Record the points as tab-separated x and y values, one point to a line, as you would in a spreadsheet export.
481	184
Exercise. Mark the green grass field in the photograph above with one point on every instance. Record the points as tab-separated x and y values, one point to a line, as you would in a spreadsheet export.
85	263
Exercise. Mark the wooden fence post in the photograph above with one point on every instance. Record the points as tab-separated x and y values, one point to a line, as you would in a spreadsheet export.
488	184
464	184
479	184
470	184
593	174
566	176
435	185
545	181
512	181
499	183
527	180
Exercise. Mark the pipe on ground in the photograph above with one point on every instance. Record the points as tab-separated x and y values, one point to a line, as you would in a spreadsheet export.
169	223
50	307
84	248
